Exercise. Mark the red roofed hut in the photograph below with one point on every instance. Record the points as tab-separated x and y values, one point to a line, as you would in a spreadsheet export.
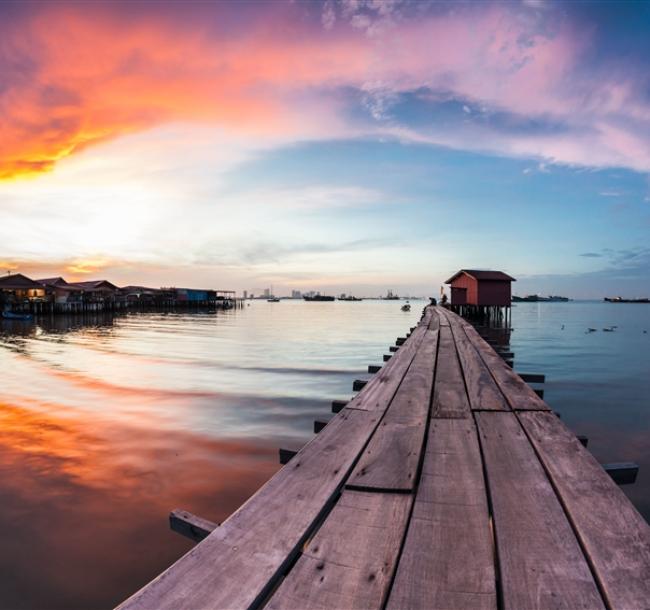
481	293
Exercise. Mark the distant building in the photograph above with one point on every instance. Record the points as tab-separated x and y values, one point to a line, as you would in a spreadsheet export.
296	294
18	288
63	294
481	288
97	291
245	294
267	293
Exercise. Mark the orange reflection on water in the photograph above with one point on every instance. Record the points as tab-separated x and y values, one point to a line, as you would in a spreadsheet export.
85	502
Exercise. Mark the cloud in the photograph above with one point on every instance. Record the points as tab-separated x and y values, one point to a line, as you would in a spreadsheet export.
72	78
592	255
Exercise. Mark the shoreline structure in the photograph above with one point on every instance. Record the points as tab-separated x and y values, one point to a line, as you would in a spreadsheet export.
20	295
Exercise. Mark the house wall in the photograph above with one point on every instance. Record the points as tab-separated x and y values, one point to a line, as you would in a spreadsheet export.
458	295
465	281
494	293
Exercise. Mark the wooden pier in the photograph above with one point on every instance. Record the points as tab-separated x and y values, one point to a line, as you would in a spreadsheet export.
445	483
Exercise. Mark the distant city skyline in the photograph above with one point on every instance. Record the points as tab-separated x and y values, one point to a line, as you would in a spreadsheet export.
335	146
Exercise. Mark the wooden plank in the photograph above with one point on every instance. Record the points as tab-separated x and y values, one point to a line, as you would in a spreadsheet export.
532	377
242	560
520	395
622	473
391	459
614	535
350	561
541	564
482	390
448	558
359	384
449	394
286	455
189	525
373	395
434	320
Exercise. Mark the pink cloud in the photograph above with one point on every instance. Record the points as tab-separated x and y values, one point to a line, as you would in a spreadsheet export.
87	76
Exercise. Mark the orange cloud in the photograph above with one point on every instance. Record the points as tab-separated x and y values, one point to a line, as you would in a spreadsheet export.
80	77
88	266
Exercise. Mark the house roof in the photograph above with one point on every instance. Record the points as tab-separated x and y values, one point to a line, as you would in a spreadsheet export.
53	281
95	285
139	289
18	281
483	276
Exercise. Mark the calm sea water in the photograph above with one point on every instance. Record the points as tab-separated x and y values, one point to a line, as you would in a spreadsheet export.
108	423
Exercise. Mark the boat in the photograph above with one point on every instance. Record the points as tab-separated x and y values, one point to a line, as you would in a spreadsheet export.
10	315
621	300
350	298
535	298
406	307
319	297
390	296
273	300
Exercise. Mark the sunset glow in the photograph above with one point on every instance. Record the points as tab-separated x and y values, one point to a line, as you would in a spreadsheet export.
309	144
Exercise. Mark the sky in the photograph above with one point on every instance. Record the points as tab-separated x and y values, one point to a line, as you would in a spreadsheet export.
341	146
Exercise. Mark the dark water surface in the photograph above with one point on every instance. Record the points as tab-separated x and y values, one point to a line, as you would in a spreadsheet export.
108	423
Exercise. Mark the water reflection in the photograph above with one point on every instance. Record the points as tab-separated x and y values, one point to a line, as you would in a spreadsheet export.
108	422
83	517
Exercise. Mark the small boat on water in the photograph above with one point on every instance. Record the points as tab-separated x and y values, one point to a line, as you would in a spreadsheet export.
273	300
350	298
10	315
319	297
406	307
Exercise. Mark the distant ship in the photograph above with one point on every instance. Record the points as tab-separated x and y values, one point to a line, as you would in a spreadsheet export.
621	300
349	298
390	296
319	297
273	300
534	298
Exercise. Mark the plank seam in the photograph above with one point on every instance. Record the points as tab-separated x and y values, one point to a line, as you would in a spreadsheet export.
418	475
495	545
567	514
292	558
496	381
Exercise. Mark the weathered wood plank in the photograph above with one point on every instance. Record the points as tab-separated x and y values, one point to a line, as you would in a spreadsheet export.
448	558
622	473
350	561
520	395
482	391
379	387
449	394
541	564
391	459
532	377
286	455
189	525
614	535
241	561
